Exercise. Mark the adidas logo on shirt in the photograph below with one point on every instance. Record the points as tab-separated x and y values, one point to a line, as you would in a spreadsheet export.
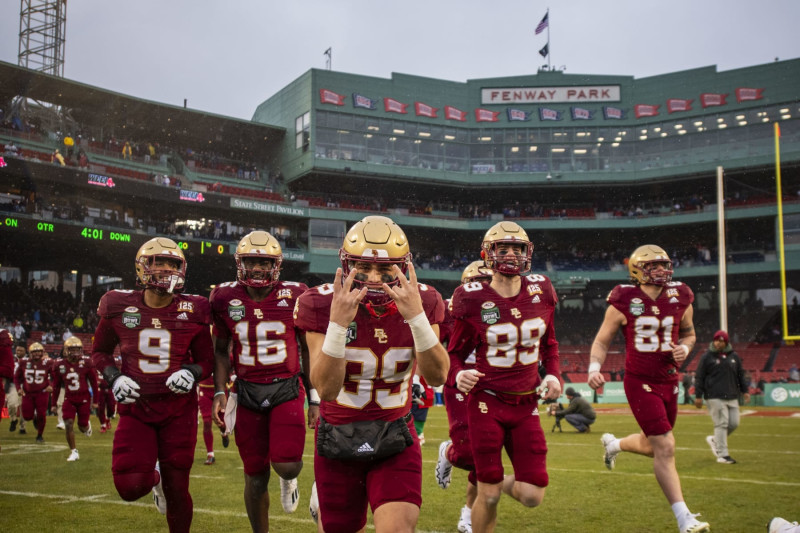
536	299
183	316
265	403
673	300
365	448
283	303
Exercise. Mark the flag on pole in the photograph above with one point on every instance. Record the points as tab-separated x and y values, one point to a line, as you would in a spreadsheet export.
545	50
543	24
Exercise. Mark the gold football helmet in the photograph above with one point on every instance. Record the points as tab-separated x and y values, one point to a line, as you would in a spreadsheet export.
506	232
261	245
476	271
375	239
73	348
644	259
36	350
162	279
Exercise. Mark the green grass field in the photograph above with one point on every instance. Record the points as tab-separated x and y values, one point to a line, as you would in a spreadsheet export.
41	492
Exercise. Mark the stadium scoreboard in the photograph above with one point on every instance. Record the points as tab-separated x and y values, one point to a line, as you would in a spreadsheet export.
94	233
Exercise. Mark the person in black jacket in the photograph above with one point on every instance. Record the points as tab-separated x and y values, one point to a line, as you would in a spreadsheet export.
579	413
720	380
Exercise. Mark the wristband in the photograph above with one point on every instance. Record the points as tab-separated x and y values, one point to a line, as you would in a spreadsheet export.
313	397
220	393
594	367
424	336
685	349
335	339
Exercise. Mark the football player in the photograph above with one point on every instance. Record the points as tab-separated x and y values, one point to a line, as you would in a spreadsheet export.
6	364
509	324
457	450
205	399
13	396
368	332
33	384
655	316
106	404
75	374
253	320
165	345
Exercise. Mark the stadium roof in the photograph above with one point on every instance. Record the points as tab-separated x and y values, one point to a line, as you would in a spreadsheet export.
151	121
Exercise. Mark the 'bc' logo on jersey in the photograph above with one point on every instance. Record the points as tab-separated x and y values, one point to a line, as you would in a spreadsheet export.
381	336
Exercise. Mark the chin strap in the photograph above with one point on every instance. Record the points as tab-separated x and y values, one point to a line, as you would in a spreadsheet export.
388	309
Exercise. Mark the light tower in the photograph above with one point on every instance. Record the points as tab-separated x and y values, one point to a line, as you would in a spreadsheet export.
42	34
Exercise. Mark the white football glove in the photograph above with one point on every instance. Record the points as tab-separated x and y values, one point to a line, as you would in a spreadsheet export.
180	382
125	389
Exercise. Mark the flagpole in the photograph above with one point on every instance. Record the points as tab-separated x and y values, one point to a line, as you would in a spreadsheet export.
548	39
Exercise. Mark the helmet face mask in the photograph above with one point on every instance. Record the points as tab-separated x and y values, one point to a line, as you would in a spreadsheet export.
36	350
375	243
644	262
258	260
161	265
73	349
500	249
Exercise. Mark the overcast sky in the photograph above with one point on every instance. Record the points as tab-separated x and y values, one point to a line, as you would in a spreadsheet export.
228	57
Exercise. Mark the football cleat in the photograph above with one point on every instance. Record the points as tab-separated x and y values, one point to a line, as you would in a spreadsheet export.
609	458
693	525
290	495
74	456
779	525
210	459
158	493
103	428
39	439
444	469
313	504
13	426
61	425
22	431
88	432
726	459
226	441
465	522
421	437
712	443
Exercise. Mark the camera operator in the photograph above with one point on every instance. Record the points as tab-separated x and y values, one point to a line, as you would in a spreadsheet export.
579	413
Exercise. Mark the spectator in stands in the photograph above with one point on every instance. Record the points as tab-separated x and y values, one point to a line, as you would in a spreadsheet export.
57	158
794	374
69	145
127	151
579	413
83	159
11	150
720	379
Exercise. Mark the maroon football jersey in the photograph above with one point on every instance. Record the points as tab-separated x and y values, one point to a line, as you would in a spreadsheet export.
456	364
6	354
510	335
264	333
154	343
33	376
651	326
75	379
379	353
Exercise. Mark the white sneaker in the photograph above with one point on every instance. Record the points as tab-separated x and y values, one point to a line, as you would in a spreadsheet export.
290	495
74	456
61	425
693	525
313	504
609	458
158	493
88	432
779	525
712	443
465	522
444	469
